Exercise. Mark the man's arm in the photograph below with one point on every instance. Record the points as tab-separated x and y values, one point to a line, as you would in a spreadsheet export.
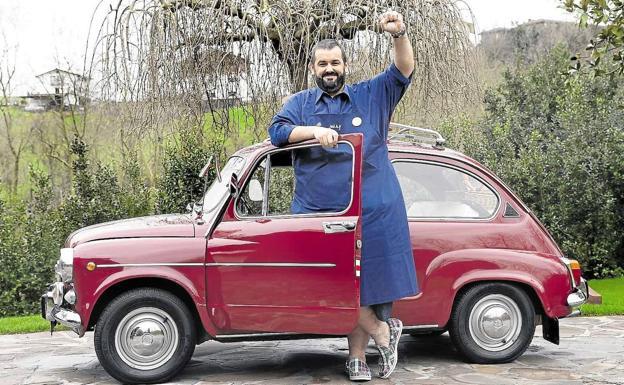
284	129
392	22
326	136
404	55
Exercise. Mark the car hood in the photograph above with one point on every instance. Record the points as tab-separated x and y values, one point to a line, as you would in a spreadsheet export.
169	225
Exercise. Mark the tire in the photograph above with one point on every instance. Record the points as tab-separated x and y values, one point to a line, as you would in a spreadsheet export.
492	323
167	331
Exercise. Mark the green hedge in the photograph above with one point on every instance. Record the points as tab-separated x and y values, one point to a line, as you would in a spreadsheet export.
32	232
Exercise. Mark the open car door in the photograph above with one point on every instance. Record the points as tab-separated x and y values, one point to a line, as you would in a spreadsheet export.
269	270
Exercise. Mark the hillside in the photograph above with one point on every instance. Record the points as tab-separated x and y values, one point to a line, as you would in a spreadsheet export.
526	43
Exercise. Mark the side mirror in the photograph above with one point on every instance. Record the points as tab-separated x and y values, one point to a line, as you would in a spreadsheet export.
194	207
198	207
255	191
234	185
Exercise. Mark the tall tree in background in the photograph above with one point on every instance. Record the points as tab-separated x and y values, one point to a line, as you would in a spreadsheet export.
184	56
609	42
16	141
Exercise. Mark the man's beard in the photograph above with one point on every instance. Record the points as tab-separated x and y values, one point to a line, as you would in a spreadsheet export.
328	86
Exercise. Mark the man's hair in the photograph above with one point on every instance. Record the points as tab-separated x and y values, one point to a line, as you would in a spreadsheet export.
326	44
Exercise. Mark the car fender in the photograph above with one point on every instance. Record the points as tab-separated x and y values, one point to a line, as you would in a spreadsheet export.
122	264
148	278
545	274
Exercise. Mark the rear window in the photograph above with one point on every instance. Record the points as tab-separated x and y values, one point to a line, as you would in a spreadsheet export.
434	190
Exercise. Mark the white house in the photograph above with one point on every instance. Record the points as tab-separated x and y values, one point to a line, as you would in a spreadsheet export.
58	88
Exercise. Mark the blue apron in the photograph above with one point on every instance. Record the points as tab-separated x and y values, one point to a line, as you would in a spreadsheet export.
323	183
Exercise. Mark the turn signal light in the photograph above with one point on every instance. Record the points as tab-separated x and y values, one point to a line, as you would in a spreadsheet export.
575	266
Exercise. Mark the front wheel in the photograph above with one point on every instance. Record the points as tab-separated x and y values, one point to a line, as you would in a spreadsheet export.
146	335
492	323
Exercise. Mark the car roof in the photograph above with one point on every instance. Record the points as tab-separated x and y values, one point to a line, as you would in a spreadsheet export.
429	149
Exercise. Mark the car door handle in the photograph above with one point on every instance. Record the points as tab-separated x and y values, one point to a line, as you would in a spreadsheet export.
338	226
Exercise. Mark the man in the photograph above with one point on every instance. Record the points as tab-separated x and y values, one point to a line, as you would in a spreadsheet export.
387	272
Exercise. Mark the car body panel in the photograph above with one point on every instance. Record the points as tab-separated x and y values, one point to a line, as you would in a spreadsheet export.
166	225
444	275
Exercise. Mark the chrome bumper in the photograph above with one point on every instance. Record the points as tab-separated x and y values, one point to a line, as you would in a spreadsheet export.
52	310
580	294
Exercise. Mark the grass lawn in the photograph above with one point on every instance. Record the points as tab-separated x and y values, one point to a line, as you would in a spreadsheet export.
612	291
26	324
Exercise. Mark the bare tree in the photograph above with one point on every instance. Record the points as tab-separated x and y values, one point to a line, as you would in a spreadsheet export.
195	58
16	142
66	120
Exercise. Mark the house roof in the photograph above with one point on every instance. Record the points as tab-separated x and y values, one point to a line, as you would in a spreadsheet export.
60	70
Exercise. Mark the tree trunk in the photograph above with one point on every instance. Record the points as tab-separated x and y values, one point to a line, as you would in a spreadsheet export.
298	72
16	165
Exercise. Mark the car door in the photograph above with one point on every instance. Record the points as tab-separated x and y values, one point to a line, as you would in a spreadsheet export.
268	270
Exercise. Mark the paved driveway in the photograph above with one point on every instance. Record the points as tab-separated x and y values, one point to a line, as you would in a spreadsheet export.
591	352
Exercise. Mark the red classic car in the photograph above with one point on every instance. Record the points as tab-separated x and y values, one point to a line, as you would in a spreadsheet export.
241	266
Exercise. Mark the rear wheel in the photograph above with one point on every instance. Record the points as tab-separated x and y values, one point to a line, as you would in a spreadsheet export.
492	323
145	335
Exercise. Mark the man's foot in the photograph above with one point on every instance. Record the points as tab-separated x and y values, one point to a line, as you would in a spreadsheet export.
388	356
358	370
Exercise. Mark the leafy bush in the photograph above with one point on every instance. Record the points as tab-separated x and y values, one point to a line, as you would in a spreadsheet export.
97	194
559	143
29	245
32	233
180	184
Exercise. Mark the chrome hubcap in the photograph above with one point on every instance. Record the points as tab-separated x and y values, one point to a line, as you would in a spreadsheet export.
495	322
146	338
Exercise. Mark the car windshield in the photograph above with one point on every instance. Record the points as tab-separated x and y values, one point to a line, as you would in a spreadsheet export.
218	190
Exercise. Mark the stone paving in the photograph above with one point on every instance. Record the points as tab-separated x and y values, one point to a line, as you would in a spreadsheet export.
591	352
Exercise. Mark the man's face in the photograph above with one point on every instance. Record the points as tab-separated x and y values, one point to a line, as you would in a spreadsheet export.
329	69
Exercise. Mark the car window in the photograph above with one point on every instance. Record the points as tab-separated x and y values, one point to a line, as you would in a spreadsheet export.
251	199
281	190
439	191
273	188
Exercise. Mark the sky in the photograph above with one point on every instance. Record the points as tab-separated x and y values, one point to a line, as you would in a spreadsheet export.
40	35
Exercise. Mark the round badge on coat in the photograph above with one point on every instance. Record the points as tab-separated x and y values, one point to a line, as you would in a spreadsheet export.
357	121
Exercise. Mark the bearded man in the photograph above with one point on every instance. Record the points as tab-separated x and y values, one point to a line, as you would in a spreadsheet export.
322	113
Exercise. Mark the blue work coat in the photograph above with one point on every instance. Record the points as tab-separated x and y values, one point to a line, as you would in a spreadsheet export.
387	271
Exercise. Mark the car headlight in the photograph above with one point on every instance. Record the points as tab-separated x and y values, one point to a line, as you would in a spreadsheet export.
65	266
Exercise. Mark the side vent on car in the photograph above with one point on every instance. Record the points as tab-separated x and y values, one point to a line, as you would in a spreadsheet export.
510	212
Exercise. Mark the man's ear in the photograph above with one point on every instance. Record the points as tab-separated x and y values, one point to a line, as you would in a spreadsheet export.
311	68
346	69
